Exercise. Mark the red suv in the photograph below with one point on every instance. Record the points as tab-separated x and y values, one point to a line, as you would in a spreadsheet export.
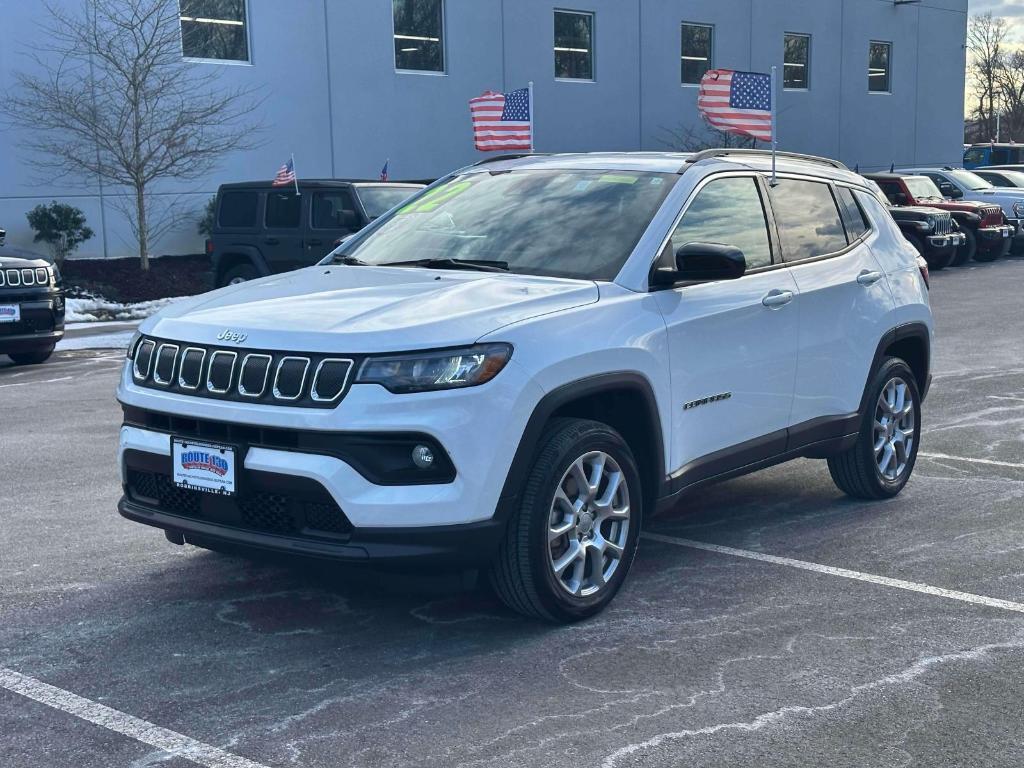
987	234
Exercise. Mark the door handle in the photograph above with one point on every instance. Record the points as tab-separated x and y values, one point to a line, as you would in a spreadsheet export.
869	278
271	241
776	298
314	242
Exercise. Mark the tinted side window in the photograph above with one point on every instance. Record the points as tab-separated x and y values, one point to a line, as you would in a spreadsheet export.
1001	156
728	211
807	218
237	209
328	208
976	156
891	189
283	210
853	217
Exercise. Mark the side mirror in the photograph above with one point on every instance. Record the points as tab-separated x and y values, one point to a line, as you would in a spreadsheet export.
949	190
702	263
898	198
349	219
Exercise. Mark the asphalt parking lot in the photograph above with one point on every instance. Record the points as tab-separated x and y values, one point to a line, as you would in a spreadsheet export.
768	621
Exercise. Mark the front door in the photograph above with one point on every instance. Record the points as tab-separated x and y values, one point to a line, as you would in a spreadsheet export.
281	243
732	343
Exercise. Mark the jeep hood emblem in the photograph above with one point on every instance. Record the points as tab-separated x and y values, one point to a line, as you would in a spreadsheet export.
229	335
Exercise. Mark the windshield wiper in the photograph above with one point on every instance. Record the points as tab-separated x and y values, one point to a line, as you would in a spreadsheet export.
350	260
478	265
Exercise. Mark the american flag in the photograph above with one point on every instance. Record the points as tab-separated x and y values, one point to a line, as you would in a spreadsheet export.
285	175
502	121
737	102
384	170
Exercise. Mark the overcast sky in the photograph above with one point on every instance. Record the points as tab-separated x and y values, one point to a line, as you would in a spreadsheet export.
998	7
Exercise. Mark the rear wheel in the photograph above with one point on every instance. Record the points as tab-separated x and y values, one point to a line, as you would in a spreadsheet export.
966	251
239	274
34	357
991	254
882	460
570	544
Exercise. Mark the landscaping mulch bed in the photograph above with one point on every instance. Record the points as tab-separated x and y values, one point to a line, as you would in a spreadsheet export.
122	280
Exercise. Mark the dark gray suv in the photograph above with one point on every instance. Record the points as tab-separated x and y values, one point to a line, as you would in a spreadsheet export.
260	229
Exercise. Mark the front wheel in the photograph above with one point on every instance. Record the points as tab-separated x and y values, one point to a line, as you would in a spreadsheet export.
966	251
242	273
882	460
34	357
571	542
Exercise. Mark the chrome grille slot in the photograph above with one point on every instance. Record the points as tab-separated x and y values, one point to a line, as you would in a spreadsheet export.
13	278
28	277
42	276
222	369
190	372
163	370
290	377
143	359
254	374
330	379
3	278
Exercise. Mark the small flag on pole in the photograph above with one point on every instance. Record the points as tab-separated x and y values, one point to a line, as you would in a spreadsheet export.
737	102
286	175
384	170
502	121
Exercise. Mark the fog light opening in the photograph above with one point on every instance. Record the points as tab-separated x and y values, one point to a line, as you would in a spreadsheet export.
423	457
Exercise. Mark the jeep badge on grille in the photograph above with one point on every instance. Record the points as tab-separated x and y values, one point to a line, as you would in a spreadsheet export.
228	335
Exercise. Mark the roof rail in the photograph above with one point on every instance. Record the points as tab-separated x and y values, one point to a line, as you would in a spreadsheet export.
709	153
510	156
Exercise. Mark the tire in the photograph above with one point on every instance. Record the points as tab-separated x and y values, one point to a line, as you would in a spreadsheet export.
966	251
992	254
858	471
524	573
34	357
240	273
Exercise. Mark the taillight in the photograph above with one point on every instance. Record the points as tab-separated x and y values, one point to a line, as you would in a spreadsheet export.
209	247
922	265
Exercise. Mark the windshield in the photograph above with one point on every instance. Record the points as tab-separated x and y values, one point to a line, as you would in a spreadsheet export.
1014	178
967	179
379	200
922	186
577	224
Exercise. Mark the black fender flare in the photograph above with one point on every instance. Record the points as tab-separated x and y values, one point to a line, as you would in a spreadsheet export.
913	330
564	395
249	252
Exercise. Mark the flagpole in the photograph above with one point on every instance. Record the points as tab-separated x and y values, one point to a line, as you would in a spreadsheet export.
533	113
296	176
775	127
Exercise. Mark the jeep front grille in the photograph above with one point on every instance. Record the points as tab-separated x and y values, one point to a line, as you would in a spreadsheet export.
944	224
32	277
254	376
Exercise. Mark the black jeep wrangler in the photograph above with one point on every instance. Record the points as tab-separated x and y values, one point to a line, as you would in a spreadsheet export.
260	229
31	308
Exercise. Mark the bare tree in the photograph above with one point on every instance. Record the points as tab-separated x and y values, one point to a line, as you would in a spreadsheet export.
986	43
1010	94
694	137
115	101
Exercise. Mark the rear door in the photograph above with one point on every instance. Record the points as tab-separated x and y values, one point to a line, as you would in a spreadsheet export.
845	303
732	343
281	243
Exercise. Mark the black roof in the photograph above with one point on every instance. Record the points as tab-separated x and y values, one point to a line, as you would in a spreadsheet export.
317	183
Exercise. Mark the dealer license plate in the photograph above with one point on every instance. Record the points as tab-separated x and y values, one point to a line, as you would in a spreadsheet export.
10	313
201	466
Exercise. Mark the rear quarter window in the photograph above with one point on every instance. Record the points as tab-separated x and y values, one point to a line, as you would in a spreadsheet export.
807	218
856	222
237	210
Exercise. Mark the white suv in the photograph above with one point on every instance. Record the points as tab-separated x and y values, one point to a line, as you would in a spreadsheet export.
515	369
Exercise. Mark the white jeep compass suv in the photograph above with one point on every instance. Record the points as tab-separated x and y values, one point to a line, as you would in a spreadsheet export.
516	368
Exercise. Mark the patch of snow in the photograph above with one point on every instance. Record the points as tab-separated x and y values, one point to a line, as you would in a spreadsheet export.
97	341
91	309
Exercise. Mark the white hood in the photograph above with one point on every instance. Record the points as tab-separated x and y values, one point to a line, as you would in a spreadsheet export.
366	309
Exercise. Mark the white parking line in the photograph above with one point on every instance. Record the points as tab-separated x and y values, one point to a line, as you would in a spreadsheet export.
27	383
910	586
171	742
992	462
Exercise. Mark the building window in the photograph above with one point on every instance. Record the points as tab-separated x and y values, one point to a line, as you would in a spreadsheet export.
419	35
574	45
214	29
796	63
696	50
879	68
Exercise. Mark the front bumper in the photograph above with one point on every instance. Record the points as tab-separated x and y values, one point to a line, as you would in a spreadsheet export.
41	324
943	242
994	237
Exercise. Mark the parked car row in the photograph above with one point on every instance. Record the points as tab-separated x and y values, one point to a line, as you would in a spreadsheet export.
952	216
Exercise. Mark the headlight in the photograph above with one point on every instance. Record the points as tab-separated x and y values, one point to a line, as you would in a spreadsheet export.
1018	209
444	369
931	222
130	352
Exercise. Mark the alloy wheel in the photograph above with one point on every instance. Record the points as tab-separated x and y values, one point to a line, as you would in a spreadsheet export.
894	429
588	524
